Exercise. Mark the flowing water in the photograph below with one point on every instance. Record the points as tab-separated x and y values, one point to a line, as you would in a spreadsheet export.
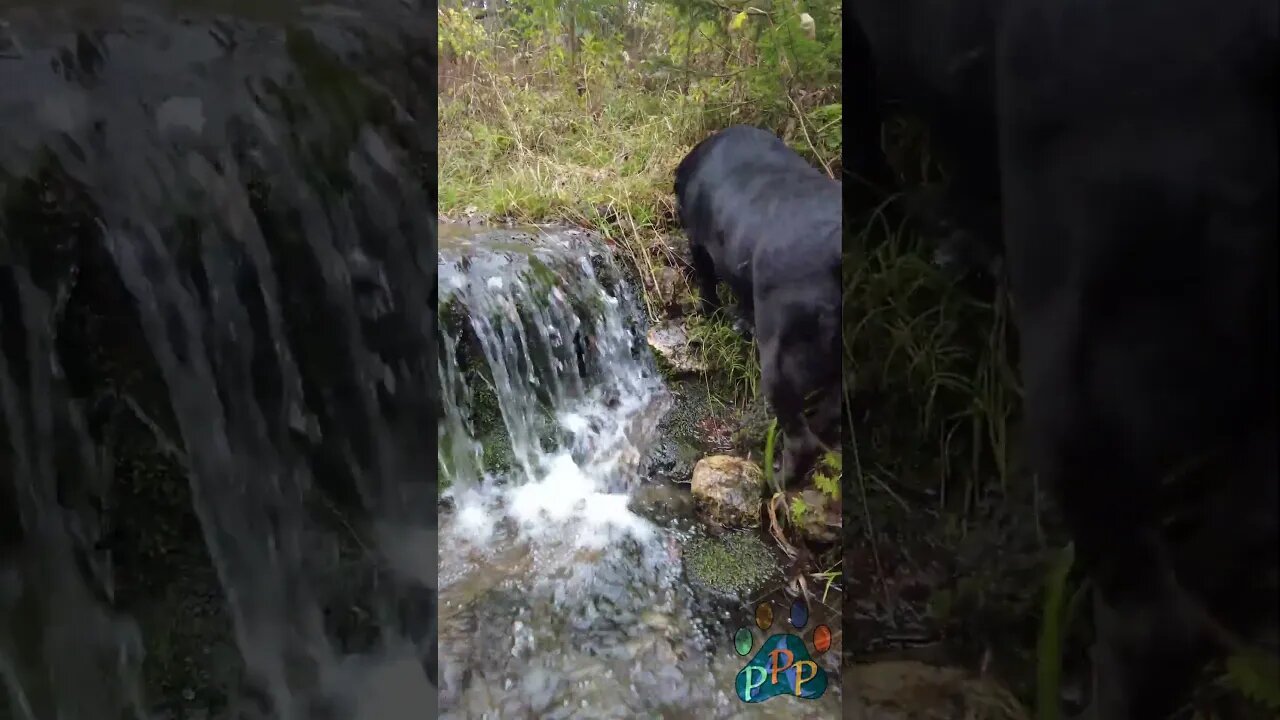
559	600
217	363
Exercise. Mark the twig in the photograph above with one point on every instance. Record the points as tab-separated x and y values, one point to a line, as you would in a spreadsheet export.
803	129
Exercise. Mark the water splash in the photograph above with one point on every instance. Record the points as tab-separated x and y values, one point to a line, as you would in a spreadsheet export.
216	313
551	331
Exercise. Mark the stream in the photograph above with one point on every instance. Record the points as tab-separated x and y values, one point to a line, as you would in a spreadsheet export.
217	373
562	595
222	382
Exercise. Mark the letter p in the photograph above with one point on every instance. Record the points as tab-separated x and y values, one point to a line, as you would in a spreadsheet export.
777	666
755	678
800	676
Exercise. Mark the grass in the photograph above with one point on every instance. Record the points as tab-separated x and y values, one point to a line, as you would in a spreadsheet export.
733	361
536	154
930	363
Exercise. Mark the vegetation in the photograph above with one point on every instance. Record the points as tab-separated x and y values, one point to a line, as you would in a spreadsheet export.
579	112
735	563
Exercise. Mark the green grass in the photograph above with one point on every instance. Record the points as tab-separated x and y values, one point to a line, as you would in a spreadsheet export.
733	361
930	363
537	155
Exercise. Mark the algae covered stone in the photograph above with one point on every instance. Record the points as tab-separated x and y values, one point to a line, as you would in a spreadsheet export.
738	562
727	491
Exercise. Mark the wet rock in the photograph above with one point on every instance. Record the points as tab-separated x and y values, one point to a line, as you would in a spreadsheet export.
820	520
669	286
263	323
671	461
910	690
726	491
661	501
671	348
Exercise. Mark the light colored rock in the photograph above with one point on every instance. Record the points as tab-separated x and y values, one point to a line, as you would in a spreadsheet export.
821	520
670	343
726	491
667	280
911	690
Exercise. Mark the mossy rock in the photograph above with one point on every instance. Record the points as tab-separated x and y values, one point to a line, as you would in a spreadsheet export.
736	563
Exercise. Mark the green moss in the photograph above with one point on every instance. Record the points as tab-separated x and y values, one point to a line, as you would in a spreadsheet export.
453	316
735	563
692	404
496	453
483	408
442	480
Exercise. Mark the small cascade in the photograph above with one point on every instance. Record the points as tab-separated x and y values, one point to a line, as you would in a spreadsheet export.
557	600
217	365
542	349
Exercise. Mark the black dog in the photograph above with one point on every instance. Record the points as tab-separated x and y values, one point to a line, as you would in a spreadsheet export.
1136	166
1139	170
763	220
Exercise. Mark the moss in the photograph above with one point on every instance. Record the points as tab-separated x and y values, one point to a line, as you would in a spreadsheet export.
497	454
753	427
442	479
453	316
483	409
735	563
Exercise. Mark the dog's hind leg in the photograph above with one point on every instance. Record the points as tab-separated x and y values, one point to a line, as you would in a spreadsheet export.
800	450
704	275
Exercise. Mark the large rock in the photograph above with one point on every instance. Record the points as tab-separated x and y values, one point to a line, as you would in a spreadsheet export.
726	491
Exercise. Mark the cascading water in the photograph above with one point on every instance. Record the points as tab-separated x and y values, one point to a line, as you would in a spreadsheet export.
557	600
216	364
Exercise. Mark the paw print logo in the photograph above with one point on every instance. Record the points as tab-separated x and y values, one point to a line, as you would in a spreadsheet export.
782	665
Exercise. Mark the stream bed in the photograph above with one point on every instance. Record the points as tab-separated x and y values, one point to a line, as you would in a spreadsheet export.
563	587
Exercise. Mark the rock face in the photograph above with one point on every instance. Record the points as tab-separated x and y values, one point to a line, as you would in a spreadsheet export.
267	257
546	304
726	491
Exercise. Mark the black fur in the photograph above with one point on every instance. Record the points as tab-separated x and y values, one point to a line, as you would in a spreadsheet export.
764	221
1136	166
1139	156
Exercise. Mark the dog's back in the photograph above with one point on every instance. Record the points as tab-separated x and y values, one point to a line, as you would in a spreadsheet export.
742	186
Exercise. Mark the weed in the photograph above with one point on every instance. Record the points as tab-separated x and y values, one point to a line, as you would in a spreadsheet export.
769	447
927	372
1060	607
733	362
830	579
